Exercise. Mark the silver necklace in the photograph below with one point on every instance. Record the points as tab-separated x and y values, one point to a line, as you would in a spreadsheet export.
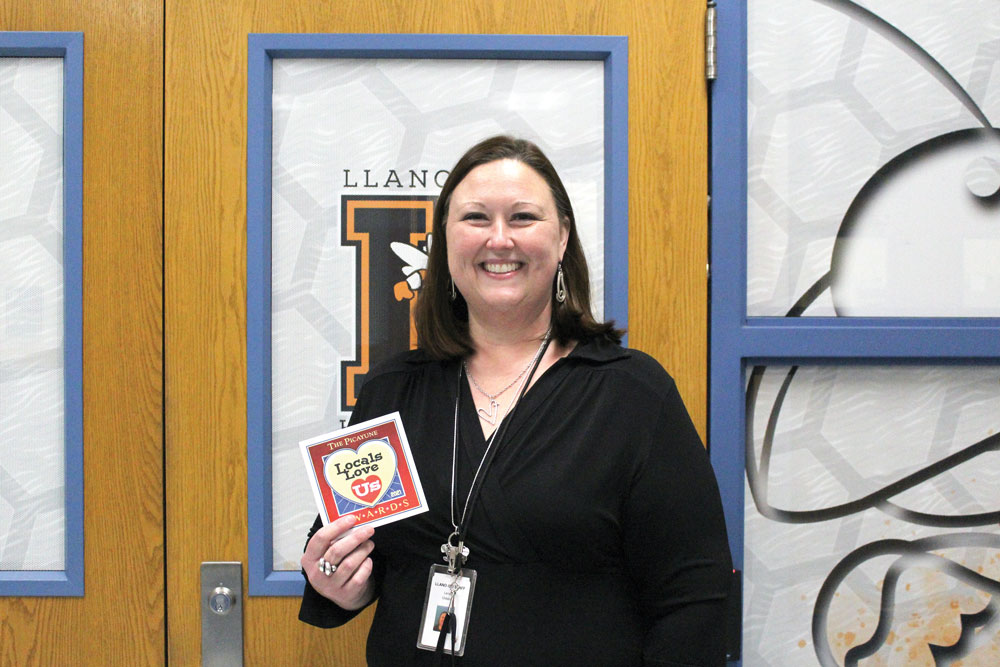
491	415
455	554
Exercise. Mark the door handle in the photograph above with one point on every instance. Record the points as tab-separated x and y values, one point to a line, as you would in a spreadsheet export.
221	614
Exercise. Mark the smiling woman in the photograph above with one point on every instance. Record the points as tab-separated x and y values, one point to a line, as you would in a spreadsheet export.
575	496
506	242
443	323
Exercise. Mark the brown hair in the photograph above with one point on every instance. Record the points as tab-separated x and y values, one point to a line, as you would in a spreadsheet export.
443	324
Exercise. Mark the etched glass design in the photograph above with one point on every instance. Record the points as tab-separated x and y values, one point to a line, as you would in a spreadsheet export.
871	515
32	443
873	184
347	132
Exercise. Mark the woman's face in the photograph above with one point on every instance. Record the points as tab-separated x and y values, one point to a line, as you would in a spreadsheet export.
504	241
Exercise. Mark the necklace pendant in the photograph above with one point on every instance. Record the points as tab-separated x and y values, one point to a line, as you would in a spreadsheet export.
490	416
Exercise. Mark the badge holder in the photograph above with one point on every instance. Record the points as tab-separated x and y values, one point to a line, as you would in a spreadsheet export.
447	592
448	603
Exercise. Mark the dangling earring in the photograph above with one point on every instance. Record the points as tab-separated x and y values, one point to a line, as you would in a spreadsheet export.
560	285
452	294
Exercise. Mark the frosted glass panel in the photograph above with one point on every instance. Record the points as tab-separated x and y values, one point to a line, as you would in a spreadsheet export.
361	148
32	447
873	158
871	515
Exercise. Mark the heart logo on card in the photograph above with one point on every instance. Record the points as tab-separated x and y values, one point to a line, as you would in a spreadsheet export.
368	490
361	475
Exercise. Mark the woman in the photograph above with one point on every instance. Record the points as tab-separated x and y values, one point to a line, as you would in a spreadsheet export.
566	465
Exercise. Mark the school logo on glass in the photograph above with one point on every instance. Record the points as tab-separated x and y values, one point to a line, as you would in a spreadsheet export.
391	237
365	470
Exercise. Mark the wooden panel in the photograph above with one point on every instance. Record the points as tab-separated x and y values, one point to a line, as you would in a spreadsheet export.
668	200
205	250
120	620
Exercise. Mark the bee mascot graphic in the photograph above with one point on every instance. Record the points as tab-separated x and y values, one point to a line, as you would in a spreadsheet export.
391	237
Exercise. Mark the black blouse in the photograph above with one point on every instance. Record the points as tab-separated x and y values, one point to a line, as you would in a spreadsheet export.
598	537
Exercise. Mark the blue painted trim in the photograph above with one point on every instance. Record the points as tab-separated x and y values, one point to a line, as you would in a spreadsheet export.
263	48
287	583
728	260
259	498
69	47
36	44
738	342
886	323
520	47
73	304
616	182
868	338
942	359
36	583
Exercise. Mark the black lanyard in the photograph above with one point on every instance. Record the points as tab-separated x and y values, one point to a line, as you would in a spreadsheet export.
491	450
456	557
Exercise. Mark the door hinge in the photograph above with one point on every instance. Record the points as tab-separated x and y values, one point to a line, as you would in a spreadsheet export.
710	35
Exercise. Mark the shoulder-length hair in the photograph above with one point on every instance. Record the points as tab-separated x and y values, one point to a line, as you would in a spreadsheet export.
442	323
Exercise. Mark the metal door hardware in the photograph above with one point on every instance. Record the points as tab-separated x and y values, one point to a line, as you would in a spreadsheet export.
221	614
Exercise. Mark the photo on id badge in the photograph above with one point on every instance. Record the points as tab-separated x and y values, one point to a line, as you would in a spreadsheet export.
446	591
442	616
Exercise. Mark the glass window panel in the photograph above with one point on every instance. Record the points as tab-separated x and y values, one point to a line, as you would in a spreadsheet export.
32	446
391	127
873	158
901	462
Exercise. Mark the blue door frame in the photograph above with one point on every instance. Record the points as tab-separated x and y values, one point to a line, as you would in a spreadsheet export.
738	342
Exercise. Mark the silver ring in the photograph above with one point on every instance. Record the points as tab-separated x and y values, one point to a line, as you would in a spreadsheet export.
326	567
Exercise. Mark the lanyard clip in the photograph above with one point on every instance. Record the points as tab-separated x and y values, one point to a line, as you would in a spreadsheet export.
454	553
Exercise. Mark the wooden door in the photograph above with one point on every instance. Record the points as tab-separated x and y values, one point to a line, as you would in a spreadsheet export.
120	618
205	254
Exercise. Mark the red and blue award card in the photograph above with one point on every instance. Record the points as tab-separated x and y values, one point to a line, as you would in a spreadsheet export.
366	470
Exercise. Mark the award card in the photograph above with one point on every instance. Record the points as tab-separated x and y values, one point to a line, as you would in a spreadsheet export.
366	470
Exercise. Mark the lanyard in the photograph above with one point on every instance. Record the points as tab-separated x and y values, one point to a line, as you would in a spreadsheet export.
454	549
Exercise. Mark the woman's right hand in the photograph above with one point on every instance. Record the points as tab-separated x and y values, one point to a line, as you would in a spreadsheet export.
349	585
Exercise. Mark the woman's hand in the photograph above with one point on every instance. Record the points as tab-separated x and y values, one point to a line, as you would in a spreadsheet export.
346	551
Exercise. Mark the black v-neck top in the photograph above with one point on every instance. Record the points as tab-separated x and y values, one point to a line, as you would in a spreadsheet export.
598	537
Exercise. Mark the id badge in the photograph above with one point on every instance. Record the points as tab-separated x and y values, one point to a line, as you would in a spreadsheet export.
441	586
